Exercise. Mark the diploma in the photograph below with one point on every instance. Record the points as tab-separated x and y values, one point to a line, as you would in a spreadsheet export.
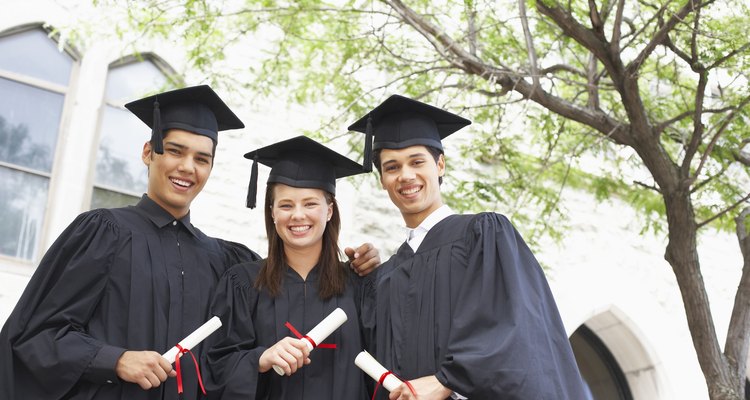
320	332
194	338
372	367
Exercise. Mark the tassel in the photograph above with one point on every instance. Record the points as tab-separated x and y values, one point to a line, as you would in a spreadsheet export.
156	137
252	188
367	162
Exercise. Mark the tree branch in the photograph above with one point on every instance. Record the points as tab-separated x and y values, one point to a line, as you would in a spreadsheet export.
698	129
738	341
529	43
724	211
614	45
722	127
658	38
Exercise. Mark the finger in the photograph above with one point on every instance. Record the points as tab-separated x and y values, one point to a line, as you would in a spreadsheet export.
165	365
155	382
144	383
160	374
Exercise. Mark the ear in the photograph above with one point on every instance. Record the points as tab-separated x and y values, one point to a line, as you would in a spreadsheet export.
329	214
147	152
441	165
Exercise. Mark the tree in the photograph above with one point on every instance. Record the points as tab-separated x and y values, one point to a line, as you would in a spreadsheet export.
656	89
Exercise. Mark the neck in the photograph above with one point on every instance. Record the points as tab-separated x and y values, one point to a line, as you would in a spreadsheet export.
303	260
413	220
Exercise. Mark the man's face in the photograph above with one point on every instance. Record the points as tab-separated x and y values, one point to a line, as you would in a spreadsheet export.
178	175
411	176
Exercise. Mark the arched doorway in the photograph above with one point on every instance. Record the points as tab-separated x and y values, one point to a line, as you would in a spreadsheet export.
599	369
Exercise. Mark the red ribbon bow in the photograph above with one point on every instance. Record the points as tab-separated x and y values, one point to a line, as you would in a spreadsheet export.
382	378
312	342
179	371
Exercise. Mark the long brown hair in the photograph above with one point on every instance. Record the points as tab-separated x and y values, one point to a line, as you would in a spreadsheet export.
332	274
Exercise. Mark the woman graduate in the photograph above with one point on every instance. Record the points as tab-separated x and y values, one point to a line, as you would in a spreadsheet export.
300	283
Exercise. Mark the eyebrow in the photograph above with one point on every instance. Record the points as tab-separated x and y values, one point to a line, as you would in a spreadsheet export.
415	155
183	147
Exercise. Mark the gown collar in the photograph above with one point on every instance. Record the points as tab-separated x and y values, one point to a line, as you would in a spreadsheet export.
160	217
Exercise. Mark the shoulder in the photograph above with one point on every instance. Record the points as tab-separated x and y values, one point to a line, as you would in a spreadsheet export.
243	275
236	252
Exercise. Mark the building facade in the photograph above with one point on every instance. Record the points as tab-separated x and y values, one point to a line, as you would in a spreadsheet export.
67	145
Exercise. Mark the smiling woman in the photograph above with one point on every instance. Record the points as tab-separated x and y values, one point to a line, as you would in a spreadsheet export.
301	282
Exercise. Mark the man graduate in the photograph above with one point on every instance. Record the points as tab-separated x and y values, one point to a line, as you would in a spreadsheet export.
120	286
463	309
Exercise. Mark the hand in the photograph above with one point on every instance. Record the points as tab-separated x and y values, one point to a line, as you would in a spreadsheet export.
288	353
364	259
426	387
146	368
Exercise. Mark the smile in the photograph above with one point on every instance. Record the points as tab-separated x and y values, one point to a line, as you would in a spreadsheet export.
181	183
302	228
410	190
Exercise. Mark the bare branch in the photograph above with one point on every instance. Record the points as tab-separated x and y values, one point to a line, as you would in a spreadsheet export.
659	36
708	180
722	127
561	67
670	45
592	88
724	211
731	54
471	13
698	128
694	38
596	20
529	43
614	45
647	186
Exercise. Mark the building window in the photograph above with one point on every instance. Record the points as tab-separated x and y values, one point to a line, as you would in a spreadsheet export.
120	176
34	78
601	373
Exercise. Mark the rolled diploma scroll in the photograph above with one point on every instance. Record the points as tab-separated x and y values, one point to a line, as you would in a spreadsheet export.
194	338
321	331
372	367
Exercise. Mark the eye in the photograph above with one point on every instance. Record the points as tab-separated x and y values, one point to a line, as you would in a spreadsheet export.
202	160
173	150
285	206
390	167
311	204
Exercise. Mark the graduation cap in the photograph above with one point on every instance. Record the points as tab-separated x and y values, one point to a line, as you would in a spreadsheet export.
401	122
300	162
196	109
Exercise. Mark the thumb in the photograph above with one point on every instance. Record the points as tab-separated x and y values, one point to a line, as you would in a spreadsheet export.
349	252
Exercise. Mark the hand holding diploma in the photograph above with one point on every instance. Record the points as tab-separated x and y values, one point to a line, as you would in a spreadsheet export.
372	367
289	354
193	339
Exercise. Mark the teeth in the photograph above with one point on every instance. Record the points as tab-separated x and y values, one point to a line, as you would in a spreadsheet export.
300	228
411	191
181	182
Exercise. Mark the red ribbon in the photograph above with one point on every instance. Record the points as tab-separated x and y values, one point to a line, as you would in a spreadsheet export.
179	371
382	378
312	342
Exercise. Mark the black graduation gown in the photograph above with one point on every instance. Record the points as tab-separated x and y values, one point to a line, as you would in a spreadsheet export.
254	321
120	279
473	308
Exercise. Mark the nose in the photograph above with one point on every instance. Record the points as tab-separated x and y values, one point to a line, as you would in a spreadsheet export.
407	174
186	164
298	213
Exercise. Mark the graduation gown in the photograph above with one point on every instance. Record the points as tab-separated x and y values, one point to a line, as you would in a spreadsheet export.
253	321
473	308
130	278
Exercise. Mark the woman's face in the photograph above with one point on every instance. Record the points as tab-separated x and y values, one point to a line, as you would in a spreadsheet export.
300	216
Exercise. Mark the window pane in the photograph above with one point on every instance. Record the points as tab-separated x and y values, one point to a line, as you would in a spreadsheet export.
118	161
108	199
33	53
22	202
29	121
131	81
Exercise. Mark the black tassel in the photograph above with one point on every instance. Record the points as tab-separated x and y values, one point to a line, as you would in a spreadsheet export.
156	137
367	162
252	188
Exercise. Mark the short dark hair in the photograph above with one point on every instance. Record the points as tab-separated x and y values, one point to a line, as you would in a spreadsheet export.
434	151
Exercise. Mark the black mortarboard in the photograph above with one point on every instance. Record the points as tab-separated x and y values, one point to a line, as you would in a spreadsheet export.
300	162
196	109
401	122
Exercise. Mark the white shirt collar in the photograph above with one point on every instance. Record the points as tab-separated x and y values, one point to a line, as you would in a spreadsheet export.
416	236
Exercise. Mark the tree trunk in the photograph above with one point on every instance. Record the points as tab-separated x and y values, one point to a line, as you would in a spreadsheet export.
682	255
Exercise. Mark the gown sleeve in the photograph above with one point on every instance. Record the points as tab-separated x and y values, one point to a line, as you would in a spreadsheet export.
507	339
46	346
231	363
